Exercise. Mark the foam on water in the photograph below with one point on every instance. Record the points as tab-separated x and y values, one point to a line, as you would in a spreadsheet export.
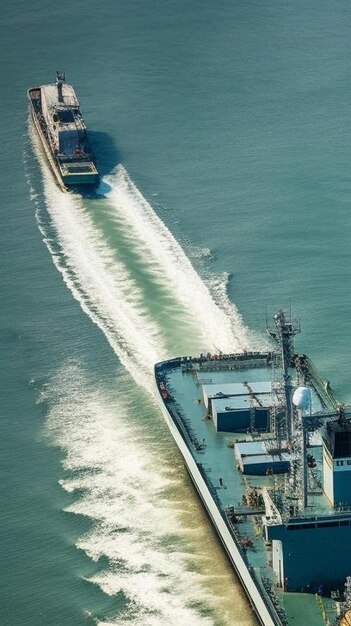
119	482
134	523
104	287
220	322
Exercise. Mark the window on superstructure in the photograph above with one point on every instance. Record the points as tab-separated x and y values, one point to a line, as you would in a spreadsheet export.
65	116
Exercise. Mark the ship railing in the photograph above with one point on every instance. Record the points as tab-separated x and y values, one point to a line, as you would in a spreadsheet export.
340	515
235	356
273	605
323	388
270	597
234	364
75	158
184	425
210	487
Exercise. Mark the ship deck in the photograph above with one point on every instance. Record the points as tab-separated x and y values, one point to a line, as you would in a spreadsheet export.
72	171
214	454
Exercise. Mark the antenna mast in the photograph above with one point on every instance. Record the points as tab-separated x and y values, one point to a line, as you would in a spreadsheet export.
284	332
60	79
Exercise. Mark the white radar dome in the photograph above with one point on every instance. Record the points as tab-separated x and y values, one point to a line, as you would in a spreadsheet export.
302	398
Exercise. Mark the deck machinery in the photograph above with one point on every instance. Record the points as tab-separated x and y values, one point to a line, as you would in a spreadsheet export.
268	448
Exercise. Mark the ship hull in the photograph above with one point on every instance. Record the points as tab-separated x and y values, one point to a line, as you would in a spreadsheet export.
213	406
264	614
61	170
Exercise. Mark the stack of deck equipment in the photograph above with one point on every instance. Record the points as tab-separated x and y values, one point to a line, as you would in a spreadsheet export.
239	407
256	458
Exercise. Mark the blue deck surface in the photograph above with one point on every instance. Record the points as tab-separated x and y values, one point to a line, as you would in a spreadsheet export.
217	457
214	451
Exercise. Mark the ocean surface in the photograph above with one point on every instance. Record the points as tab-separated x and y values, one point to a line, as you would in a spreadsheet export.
222	130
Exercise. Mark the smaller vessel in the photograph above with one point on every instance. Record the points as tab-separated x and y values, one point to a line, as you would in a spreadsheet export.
63	134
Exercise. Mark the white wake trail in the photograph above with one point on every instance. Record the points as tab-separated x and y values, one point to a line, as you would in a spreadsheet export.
102	284
134	525
119	484
220	323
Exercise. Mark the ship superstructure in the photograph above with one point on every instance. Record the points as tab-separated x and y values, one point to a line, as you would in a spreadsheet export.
269	450
61	128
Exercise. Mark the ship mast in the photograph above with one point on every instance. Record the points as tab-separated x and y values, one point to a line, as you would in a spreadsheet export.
284	332
60	79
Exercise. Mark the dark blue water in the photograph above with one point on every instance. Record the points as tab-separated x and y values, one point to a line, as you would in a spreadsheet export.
222	131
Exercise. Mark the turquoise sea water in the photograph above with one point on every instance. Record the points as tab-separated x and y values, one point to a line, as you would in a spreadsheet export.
223	133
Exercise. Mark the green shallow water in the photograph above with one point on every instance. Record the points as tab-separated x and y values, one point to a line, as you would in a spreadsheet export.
231	123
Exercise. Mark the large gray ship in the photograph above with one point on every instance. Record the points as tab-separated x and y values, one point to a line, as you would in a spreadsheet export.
63	134
268	448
